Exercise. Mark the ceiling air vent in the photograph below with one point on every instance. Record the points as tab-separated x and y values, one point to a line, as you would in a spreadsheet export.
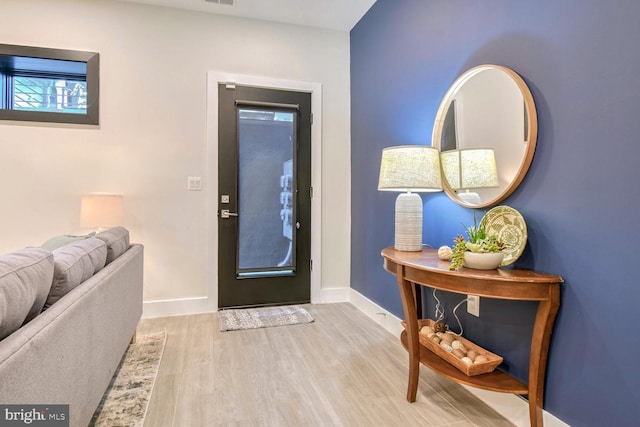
228	2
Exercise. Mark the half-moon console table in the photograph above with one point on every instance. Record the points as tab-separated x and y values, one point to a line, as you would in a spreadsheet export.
426	269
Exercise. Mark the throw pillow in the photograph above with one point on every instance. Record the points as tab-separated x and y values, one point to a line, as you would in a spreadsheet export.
25	280
60	241
75	263
117	240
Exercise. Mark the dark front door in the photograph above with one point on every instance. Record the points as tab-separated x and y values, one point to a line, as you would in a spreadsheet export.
264	206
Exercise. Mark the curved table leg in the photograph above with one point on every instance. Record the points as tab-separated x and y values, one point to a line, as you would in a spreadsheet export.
407	294
545	317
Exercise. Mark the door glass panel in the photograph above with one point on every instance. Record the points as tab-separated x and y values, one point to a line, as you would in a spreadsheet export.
266	192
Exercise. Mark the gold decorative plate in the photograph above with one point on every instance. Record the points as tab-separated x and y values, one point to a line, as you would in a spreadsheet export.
510	228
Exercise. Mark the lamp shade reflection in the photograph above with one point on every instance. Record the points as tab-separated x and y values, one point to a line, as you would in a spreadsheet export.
468	169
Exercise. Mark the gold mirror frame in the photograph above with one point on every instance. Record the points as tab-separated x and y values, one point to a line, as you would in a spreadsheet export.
530	132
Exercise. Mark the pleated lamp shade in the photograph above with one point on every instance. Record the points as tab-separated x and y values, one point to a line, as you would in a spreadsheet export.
410	169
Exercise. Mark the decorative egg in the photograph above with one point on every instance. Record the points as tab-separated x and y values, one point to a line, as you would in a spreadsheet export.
458	344
448	338
467	360
459	353
436	339
424	330
481	358
444	253
446	346
472	354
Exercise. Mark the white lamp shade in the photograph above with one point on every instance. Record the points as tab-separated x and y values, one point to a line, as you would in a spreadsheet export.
101	210
470	168
410	168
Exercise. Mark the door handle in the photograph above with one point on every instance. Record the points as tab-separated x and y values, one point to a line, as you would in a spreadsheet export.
224	213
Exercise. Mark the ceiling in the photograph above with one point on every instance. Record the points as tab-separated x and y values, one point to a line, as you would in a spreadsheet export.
340	15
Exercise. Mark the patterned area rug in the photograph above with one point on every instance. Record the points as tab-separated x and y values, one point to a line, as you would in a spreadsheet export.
126	400
262	317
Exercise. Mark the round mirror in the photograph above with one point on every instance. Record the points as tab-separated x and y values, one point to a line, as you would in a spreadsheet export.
486	130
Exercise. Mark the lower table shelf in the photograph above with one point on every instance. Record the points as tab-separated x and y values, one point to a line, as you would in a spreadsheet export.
494	381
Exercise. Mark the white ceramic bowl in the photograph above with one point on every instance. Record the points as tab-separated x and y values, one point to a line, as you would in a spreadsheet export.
483	261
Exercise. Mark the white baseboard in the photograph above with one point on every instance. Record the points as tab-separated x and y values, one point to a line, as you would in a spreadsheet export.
513	408
381	316
176	307
510	406
184	306
331	295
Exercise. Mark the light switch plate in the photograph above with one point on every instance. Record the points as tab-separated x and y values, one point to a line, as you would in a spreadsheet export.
194	183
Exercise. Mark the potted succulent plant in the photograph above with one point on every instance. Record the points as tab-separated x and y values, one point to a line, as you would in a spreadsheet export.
480	251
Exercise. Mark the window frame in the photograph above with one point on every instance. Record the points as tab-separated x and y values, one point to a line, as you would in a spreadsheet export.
92	60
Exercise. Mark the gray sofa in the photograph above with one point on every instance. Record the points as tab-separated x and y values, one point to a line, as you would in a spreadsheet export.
68	353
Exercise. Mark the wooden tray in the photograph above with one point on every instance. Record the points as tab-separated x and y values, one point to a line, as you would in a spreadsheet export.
493	360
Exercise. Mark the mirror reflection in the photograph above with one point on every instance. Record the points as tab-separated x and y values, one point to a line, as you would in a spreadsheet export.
486	131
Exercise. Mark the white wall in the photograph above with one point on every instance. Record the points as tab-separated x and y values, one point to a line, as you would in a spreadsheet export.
154	63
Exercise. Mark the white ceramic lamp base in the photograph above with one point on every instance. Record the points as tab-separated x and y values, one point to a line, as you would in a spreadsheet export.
469	197
408	222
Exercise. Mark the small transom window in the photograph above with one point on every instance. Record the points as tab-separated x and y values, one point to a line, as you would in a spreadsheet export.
49	85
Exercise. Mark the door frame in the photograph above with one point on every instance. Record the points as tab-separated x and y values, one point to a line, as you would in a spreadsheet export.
211	187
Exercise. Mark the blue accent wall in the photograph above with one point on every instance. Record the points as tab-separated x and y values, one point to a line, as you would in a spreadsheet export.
581	197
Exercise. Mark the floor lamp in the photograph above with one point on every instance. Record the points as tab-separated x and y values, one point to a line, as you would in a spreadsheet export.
409	169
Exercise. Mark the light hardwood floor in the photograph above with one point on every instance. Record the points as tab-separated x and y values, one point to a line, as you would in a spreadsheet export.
341	370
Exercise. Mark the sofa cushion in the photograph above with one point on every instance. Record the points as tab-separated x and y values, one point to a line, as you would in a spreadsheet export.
75	263
117	240
60	241
25	280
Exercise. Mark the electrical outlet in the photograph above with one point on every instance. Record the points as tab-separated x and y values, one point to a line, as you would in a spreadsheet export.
473	305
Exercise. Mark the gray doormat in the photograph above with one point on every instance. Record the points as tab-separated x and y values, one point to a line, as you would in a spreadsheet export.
262	317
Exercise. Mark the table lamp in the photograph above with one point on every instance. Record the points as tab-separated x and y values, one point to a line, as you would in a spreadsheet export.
410	169
101	211
470	168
